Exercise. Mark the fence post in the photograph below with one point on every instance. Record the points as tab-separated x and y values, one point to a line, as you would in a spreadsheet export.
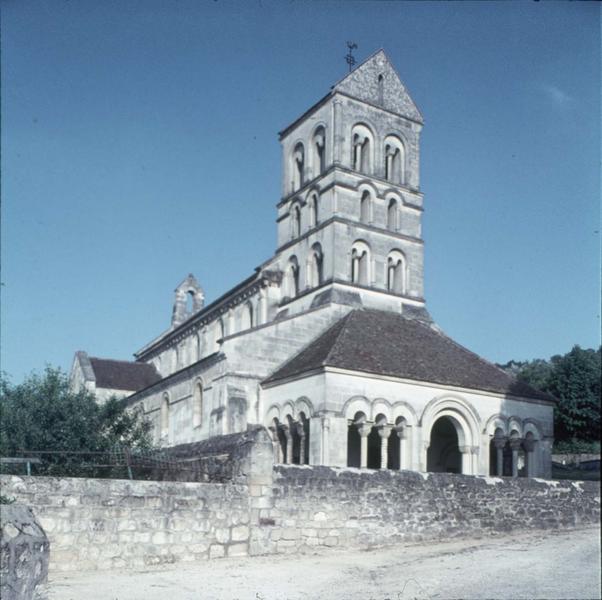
126	451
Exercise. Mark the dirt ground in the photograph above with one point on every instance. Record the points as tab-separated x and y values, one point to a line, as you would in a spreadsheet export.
550	564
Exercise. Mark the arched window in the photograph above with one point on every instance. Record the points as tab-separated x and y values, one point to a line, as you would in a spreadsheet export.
394	160
319	151
315	268
298	166
165	416
313	210
360	263
362	140
396	272
381	89
365	207
291	282
392	215
295	221
197	406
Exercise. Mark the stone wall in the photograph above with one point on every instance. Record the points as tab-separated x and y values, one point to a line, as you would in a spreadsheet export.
103	524
239	457
111	523
321	506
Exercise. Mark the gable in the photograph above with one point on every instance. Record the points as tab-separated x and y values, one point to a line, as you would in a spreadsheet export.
363	83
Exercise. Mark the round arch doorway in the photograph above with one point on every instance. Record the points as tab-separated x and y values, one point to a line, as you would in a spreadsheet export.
443	455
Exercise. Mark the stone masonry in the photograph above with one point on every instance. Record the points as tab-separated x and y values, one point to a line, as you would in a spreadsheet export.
105	524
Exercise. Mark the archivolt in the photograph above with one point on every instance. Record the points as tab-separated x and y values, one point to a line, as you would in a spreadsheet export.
459	410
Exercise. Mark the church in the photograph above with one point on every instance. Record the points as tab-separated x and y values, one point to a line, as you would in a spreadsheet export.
328	343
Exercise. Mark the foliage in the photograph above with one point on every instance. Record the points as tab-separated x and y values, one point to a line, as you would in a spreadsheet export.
575	446
574	379
43	413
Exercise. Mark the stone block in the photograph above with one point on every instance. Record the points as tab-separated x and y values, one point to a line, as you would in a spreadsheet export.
126	526
238	550
217	551
240	533
309	532
222	535
290	534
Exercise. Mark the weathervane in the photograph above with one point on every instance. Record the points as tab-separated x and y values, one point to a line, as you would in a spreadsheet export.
349	57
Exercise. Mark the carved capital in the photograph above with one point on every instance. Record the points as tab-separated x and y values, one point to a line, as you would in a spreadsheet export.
499	442
401	431
515	444
364	429
385	431
529	445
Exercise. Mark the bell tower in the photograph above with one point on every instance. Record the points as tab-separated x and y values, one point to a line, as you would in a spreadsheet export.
351	206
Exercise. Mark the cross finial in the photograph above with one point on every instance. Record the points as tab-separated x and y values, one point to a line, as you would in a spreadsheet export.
349	56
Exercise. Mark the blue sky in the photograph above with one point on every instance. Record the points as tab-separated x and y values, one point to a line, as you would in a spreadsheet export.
139	143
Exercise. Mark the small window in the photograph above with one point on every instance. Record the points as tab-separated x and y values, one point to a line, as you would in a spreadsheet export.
394	160
362	149
396	272
360	263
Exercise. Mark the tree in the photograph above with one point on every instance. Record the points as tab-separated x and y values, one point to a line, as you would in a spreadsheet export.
574	379
43	413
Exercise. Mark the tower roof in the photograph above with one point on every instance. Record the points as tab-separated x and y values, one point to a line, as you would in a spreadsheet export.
363	83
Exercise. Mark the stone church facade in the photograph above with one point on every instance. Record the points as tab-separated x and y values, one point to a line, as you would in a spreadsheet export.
329	343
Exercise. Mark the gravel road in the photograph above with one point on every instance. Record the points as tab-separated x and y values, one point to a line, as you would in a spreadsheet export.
550	564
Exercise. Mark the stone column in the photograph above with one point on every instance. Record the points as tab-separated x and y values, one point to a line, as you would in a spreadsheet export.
402	435
384	431
288	459
515	444
499	444
301	434
474	459
364	430
529	446
276	444
466	452
357	156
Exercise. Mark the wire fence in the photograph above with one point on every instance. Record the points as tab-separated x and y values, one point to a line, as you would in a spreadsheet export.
116	463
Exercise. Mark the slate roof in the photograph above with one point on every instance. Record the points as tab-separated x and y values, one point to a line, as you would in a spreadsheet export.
123	374
387	343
